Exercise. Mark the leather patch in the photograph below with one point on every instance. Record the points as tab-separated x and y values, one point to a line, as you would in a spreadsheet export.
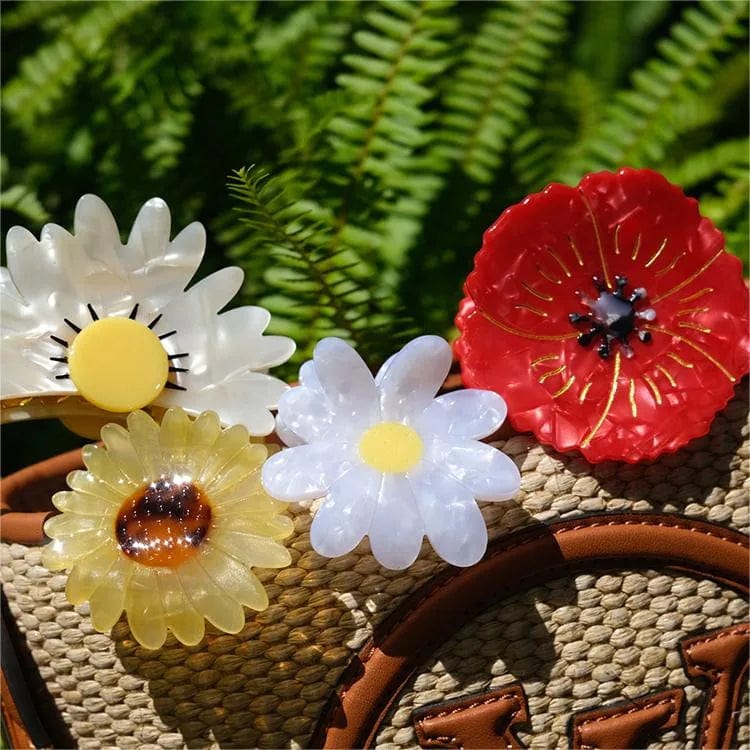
722	658
514	563
481	721
627	725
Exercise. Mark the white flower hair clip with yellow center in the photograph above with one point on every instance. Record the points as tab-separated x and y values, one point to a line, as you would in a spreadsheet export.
166	524
91	326
389	459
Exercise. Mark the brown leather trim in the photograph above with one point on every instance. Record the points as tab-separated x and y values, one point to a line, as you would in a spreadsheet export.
485	721
627	725
12	723
722	657
26	494
515	563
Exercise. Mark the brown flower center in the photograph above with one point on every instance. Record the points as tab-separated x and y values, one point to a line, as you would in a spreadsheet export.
163	524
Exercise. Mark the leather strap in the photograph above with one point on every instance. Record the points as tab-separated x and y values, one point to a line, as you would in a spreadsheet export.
514	563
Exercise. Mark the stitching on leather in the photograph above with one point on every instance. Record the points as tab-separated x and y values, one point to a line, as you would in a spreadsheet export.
677	523
616	715
459	709
714	673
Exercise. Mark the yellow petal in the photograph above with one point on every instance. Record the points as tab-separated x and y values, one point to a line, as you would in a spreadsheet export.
214	602
252	549
101	465
273	526
92	505
143	608
86	483
227	445
179	614
144	435
63	553
69	524
121	451
108	601
173	436
91	572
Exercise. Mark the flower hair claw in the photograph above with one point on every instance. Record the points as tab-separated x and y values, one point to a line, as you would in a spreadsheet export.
93	327
609	315
166	524
389	459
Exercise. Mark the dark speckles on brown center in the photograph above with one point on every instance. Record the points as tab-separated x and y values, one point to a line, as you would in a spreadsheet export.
164	524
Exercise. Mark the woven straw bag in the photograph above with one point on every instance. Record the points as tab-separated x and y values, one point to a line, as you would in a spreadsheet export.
610	611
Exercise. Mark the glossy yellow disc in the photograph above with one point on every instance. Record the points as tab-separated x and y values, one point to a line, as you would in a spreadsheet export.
391	447
118	364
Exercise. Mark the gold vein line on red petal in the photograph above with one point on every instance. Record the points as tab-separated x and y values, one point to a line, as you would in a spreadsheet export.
617	239
560	261
667	374
690	279
551	373
693	310
544	358
699	293
654	389
680	360
694	346
636	247
674	262
547	276
631	398
565	388
536	293
694	327
576	251
527	334
608	406
585	392
534	310
658	252
600	248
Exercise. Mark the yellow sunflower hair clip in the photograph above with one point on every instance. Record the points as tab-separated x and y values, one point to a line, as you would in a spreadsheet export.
166	523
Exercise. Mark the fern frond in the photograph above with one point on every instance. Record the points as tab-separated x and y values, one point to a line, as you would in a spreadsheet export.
317	292
642	121
723	158
46	76
487	99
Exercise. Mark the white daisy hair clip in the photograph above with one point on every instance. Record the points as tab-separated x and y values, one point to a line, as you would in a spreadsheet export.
389	459
92	327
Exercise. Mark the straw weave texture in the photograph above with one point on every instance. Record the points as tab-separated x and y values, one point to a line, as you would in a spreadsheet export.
575	643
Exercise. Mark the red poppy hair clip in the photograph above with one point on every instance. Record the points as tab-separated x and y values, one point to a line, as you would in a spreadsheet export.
608	315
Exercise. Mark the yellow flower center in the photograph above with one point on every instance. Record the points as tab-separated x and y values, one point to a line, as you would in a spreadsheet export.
391	447
118	364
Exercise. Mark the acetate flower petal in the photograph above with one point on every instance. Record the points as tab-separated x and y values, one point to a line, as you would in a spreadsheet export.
346	513
376	448
604	314
468	414
64	285
170	530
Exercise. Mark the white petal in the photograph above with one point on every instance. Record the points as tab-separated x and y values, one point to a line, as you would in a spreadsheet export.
469	414
149	237
487	472
396	531
286	435
347	383
305	413
304	472
308	377
413	377
454	523
95	228
346	513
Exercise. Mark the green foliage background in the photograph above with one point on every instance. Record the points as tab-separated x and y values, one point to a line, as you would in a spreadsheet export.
349	155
